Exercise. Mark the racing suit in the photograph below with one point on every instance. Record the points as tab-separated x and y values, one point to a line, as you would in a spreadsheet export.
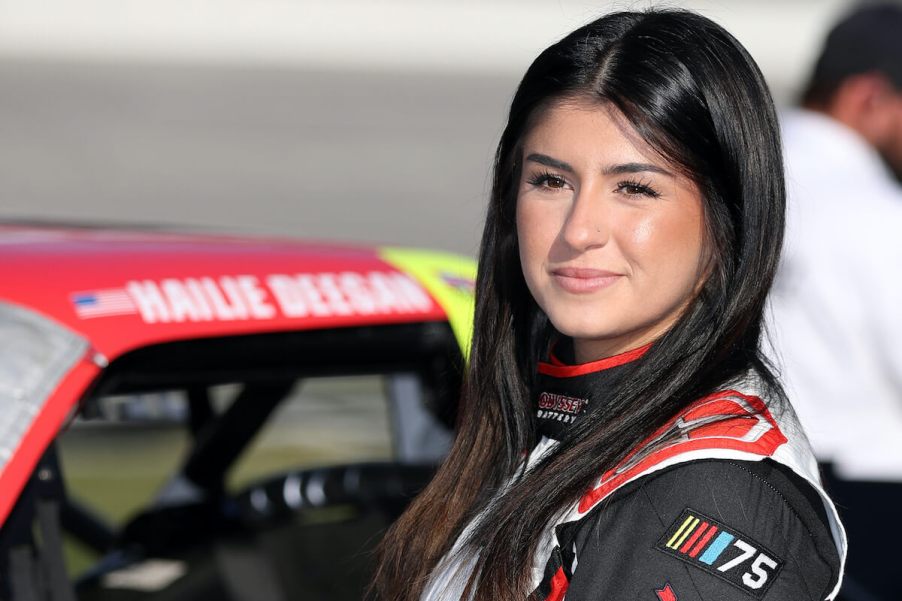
722	503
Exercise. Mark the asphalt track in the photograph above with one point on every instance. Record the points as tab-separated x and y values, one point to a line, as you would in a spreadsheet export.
387	157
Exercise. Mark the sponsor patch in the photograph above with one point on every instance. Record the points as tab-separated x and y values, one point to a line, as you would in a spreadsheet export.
560	407
721	551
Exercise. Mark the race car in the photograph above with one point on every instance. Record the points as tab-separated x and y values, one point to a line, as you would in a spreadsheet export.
196	416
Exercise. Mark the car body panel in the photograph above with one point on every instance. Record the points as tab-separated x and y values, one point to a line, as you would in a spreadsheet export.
449	278
44	427
122	290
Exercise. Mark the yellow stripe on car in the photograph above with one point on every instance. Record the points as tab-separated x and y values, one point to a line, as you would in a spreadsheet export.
449	278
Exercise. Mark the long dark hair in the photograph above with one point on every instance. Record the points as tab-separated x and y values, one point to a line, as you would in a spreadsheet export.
696	96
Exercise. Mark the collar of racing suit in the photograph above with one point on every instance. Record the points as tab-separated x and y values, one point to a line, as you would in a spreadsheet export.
565	391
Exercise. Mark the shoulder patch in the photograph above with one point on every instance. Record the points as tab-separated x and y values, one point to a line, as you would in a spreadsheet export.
721	551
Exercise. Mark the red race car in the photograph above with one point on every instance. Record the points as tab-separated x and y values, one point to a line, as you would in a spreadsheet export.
213	417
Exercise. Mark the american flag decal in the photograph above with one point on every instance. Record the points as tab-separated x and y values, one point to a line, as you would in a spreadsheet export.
103	303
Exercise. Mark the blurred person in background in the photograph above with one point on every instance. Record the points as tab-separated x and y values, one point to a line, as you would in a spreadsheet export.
837	301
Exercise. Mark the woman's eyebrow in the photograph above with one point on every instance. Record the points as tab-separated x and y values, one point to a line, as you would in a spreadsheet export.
620	169
634	168
546	160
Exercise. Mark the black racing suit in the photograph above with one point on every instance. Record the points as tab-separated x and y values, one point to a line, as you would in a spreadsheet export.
709	529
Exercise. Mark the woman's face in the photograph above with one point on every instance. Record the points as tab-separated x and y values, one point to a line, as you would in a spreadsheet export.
611	237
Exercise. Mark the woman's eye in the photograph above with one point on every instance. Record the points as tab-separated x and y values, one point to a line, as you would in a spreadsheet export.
549	181
632	188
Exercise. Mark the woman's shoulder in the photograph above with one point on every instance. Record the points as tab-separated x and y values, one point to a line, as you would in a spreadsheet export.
765	498
712	528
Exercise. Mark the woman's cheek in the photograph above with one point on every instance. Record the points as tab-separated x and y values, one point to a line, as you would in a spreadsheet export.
535	228
643	232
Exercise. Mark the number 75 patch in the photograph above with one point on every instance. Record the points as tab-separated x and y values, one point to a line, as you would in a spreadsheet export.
721	551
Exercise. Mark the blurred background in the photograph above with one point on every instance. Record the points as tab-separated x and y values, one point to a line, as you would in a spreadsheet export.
330	119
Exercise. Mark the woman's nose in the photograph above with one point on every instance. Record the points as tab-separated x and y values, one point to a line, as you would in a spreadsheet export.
587	224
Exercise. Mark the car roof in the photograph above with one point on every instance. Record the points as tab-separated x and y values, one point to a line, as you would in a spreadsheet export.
127	288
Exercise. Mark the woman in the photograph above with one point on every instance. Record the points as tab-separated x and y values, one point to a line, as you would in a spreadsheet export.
620	436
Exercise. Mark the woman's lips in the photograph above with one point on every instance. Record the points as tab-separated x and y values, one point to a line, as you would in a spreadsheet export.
580	280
